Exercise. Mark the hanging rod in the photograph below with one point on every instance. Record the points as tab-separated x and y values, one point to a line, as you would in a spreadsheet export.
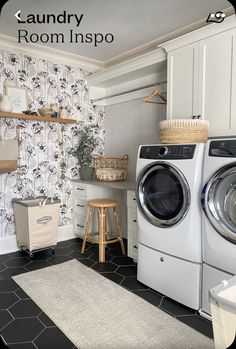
129	91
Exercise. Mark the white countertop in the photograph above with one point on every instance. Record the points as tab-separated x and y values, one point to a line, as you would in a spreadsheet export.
123	185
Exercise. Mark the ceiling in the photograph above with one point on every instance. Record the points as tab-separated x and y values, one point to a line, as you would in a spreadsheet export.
134	23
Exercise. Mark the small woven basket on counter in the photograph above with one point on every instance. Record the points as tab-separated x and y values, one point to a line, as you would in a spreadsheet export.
110	169
184	131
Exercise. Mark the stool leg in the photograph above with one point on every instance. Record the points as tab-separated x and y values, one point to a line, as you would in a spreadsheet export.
105	224
86	230
118	230
101	236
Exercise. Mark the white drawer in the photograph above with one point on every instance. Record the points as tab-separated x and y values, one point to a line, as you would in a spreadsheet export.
132	219
133	234
131	199
80	206
79	222
160	272
80	190
79	232
132	246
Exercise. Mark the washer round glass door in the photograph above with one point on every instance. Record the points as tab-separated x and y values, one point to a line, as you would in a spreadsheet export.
163	194
219	201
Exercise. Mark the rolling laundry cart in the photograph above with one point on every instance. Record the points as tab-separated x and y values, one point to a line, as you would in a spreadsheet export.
36	223
223	309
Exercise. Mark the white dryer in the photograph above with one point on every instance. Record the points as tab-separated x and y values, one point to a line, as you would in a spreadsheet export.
169	182
219	218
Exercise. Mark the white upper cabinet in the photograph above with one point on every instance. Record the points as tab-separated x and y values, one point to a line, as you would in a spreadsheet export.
216	77
201	77
181	81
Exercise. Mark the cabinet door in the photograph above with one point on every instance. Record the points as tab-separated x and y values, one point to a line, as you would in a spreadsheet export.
216	77
182	82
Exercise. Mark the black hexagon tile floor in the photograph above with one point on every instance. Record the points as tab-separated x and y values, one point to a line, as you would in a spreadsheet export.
5	318
24	326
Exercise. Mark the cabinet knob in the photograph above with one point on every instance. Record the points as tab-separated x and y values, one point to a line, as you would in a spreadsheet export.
135	247
134	199
134	220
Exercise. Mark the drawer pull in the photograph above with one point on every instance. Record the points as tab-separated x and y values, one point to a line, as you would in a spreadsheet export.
135	220
135	247
79	205
81	226
81	189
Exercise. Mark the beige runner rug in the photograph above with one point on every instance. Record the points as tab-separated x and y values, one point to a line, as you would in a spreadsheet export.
95	313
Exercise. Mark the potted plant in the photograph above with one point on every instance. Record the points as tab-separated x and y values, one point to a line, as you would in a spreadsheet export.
84	149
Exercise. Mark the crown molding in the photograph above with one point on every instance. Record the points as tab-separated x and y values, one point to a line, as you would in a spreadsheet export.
200	34
45	52
152	45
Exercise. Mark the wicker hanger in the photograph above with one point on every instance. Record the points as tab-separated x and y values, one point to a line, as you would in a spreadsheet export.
162	99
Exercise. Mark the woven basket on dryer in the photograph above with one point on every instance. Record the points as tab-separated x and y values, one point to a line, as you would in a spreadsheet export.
184	131
110	169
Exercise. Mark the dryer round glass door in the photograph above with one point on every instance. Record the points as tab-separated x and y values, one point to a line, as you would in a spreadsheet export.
163	194
219	201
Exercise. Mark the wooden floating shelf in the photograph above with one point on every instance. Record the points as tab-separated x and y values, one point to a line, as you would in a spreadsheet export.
36	118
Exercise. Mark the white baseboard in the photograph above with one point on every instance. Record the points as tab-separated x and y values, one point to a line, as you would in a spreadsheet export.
8	244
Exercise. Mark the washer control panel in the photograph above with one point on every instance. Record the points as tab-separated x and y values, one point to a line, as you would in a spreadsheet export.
168	152
225	148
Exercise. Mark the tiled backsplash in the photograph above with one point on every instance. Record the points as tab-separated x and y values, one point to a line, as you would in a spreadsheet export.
130	124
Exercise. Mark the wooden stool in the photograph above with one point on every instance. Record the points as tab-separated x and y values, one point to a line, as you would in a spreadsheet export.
102	205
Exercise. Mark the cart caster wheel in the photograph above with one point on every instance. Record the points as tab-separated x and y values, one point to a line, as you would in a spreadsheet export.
31	255
53	251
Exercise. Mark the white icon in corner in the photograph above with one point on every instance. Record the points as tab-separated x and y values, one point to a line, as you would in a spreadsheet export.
217	17
17	15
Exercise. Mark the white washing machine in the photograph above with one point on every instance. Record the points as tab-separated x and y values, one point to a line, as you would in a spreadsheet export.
169	183
219	218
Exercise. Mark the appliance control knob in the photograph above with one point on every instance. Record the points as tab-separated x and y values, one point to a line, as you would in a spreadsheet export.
163	151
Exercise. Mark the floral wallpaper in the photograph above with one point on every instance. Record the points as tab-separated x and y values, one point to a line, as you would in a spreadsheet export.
45	167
